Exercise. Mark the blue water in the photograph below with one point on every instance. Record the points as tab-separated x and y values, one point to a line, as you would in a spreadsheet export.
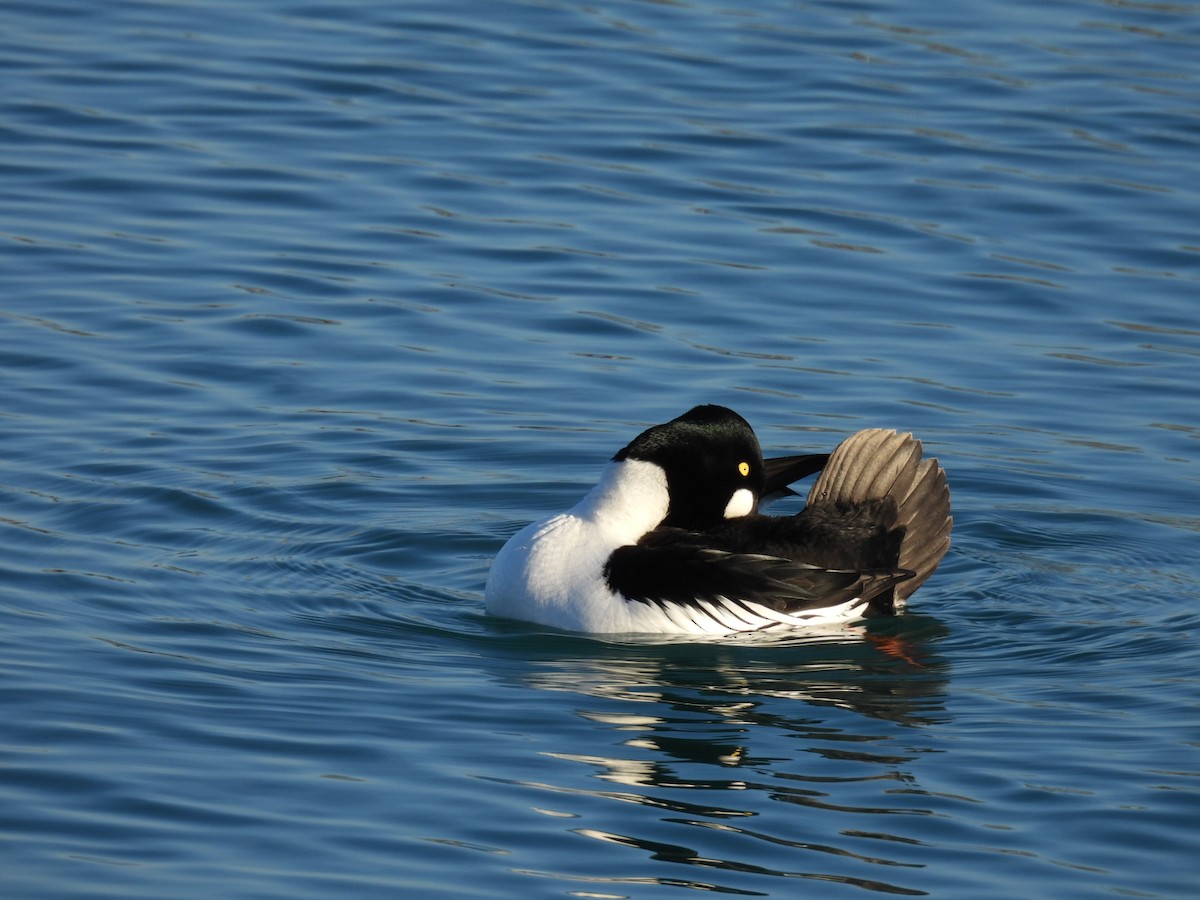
305	308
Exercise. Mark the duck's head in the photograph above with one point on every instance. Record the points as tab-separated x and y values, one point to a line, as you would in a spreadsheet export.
712	461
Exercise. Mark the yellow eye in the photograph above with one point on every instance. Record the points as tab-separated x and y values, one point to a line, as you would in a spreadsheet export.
744	468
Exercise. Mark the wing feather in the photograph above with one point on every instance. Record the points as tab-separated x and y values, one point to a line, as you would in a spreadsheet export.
699	586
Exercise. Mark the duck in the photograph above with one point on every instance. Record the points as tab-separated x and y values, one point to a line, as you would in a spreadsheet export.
672	539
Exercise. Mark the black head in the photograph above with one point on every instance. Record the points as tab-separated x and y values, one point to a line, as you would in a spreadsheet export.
709	454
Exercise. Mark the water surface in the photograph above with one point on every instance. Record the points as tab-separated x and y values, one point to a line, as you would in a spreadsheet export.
307	307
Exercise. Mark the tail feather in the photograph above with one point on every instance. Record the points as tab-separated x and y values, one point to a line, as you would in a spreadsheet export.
878	464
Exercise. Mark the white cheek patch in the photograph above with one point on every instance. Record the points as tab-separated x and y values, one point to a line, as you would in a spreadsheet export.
740	504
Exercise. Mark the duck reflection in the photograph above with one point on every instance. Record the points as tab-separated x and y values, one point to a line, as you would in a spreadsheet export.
893	674
708	736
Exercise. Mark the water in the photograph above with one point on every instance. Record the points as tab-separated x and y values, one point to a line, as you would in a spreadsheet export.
307	307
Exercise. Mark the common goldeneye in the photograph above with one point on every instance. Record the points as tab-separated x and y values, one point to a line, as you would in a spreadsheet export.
671	539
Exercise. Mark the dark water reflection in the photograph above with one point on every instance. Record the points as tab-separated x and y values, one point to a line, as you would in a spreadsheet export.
707	740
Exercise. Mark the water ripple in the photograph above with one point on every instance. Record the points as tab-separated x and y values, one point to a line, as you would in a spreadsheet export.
307	308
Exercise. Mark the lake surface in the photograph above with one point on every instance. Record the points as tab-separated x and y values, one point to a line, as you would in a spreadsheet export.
307	307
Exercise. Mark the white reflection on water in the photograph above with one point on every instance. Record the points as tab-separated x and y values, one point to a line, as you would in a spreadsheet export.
700	736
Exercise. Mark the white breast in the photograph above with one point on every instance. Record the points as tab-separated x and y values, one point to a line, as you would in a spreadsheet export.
552	572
